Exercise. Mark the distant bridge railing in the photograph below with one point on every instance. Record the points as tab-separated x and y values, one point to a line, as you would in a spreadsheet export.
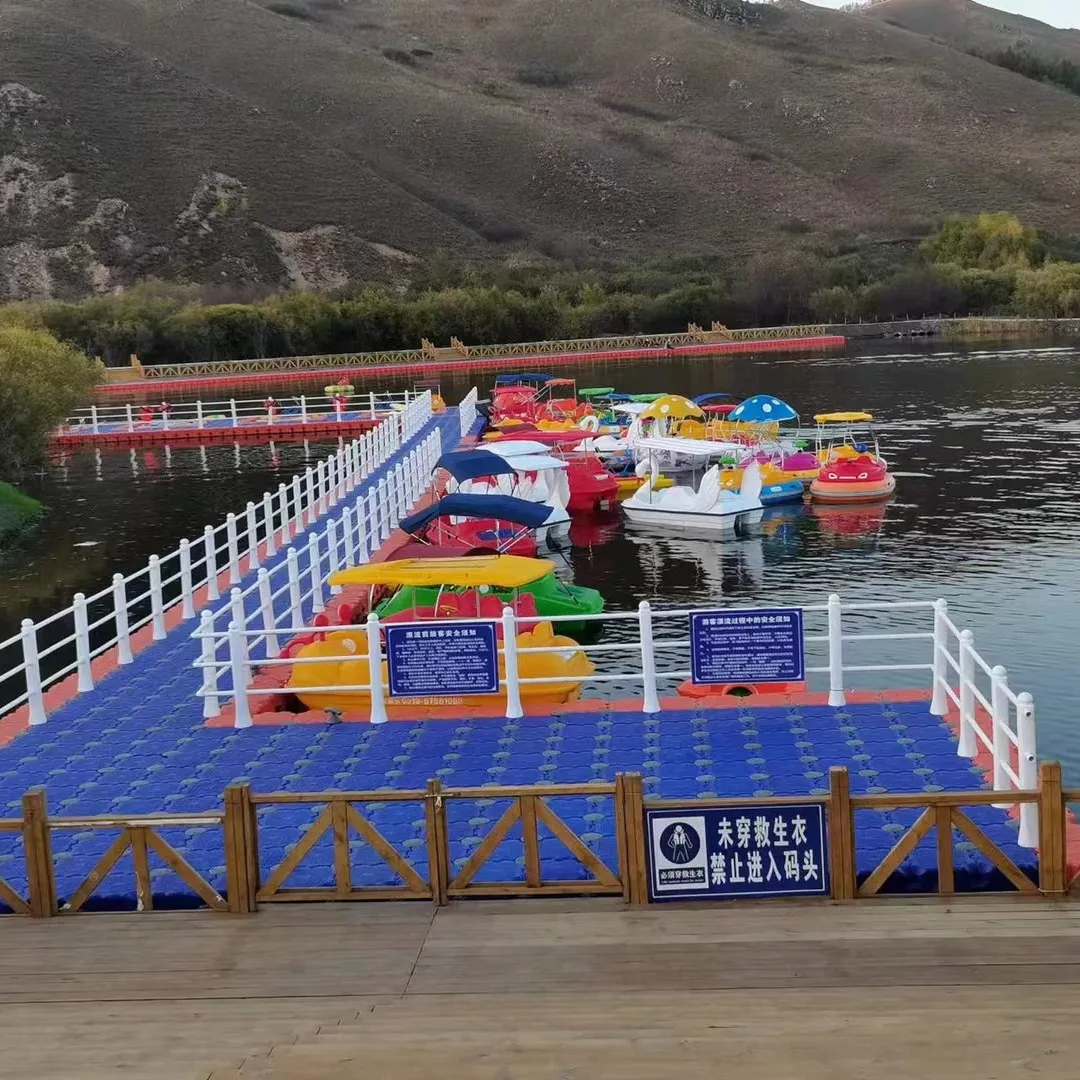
173	587
430	354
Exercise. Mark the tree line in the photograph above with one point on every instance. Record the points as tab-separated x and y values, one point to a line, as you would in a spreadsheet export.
990	264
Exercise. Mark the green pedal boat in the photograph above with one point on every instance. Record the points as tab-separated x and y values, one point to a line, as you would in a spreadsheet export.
426	585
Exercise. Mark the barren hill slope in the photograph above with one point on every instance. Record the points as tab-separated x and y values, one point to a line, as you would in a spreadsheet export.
315	140
968	25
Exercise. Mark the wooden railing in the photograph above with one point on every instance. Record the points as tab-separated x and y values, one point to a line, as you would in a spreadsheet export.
533	806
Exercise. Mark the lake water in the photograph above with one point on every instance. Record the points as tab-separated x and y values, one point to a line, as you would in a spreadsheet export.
985	444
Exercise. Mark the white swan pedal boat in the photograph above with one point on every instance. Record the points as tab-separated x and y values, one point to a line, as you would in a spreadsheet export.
709	508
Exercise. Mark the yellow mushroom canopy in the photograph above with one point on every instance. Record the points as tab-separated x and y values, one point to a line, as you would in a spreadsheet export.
843	418
672	407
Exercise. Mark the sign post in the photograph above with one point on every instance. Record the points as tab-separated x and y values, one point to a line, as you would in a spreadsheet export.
747	645
448	658
740	851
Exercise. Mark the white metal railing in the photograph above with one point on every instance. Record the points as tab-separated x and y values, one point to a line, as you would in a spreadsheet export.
653	648
188	577
467	411
231	413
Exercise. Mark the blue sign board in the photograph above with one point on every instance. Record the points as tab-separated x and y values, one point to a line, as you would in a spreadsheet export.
760	645
738	851
456	658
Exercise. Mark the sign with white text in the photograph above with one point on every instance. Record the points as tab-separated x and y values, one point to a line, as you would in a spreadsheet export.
762	645
451	658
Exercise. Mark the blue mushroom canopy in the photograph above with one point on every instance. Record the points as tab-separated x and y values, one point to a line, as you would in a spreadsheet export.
763	409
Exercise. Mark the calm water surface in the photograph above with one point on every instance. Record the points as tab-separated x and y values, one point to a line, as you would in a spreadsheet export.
985	444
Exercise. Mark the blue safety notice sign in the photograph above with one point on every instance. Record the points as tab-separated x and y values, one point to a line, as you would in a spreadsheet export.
750	645
747	850
451	658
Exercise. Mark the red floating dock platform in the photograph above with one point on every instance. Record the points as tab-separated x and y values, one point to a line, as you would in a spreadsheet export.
146	435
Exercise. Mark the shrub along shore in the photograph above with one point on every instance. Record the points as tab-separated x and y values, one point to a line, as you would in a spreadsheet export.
989	265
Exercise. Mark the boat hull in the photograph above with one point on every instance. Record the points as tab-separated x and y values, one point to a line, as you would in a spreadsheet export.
867	491
686	519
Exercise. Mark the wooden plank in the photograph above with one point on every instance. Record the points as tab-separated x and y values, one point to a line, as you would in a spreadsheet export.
542	790
101	868
186	872
946	877
841	822
413	881
251	846
144	896
621	834
900	851
636	840
342	867
37	853
512	890
486	846
1053	853
281	872
437	847
573	843
532	841
992	852
278	797
330	893
938	798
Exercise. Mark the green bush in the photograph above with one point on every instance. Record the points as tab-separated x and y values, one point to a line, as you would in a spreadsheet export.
42	381
17	512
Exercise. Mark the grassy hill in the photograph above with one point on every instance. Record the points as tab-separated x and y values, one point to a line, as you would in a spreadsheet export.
310	142
967	25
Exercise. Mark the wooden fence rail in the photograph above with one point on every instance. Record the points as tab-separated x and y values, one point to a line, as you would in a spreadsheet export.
533	806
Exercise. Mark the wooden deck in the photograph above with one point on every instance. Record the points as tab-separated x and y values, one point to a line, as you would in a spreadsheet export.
547	990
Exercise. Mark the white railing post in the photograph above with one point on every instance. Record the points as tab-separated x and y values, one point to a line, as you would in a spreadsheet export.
320	488
296	610
371	403
651	702
198	414
208	659
361	555
165	419
35	698
210	546
999	718
373	529
375	679
332	566
120	613
130	419
157	601
348	540
238	618
384	505
1028	770
309	493
82	643
315	573
232	412
968	744
238	665
252	537
836	653
187	591
94	420
298	506
510	656
939	702
268	524
266	606
303	409
283	503
234	549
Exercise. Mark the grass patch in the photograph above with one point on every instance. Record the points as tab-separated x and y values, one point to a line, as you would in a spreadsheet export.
17	512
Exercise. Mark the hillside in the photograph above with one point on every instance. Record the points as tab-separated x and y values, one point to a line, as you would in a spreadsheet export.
310	142
967	25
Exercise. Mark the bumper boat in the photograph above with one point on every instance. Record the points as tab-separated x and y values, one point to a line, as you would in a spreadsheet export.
853	480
